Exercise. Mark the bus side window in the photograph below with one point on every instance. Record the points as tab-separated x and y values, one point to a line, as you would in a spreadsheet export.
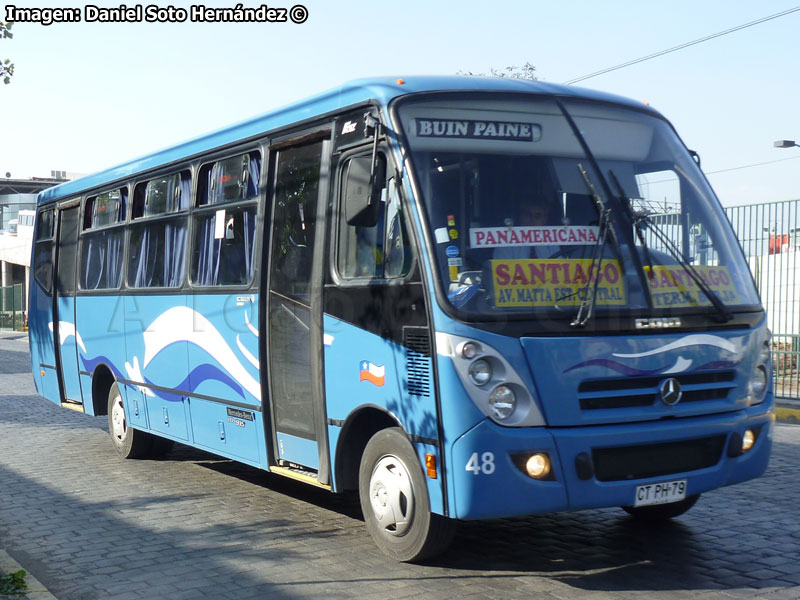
102	251
398	247
294	220
361	248
378	252
43	253
224	234
157	247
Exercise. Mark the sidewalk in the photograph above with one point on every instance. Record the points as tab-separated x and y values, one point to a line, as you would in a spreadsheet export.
35	589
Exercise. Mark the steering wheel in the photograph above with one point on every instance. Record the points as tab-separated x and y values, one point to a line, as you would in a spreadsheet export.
469	278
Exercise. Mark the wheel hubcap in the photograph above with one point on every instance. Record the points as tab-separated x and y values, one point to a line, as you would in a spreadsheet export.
391	496
118	425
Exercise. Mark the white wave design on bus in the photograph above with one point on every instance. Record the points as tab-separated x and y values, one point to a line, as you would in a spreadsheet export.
182	324
135	374
689	340
67	330
681	363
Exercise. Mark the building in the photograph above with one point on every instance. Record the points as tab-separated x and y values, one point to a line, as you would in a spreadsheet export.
15	243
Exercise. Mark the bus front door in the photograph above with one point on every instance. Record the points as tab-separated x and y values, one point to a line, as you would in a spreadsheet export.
65	329
294	307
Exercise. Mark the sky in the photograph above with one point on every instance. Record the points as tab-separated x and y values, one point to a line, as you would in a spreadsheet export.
86	96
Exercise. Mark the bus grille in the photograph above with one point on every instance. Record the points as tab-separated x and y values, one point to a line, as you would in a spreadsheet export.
653	460
418	360
643	391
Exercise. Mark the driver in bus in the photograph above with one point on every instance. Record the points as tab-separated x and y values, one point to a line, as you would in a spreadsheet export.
533	213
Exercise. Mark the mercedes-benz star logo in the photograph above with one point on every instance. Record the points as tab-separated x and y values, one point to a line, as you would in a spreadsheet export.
670	391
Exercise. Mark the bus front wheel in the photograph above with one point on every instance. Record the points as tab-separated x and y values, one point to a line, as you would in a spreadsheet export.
128	442
394	500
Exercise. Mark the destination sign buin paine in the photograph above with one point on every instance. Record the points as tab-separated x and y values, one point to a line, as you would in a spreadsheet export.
471	129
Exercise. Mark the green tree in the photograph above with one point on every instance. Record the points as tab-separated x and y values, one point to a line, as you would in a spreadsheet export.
6	66
526	71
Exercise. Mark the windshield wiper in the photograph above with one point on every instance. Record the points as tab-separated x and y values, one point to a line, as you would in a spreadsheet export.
590	289
636	218
643	217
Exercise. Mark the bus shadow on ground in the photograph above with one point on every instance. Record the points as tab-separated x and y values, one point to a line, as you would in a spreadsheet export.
723	543
592	550
345	504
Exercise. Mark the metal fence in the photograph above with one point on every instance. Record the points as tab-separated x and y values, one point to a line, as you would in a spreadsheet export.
12	308
770	236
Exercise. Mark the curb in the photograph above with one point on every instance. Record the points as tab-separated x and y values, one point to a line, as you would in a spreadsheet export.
787	410
784	414
35	588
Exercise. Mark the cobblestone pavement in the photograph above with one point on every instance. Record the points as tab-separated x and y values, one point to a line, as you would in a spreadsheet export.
90	525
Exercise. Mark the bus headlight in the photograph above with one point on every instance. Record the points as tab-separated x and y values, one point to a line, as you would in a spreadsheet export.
758	384
469	350
759	380
502	401
480	372
763	356
491	382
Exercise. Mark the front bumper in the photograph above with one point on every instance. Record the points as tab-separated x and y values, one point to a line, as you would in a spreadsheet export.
487	484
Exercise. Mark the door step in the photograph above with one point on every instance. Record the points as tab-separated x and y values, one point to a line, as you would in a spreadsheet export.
76	406
299	474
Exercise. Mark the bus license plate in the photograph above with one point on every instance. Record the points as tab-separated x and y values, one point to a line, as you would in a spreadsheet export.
660	493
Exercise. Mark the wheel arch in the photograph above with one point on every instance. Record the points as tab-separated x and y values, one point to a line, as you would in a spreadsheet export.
357	430
102	380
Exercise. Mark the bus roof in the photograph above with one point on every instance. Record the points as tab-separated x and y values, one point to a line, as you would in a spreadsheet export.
381	89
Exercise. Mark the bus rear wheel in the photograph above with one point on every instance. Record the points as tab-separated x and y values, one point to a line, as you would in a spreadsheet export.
128	442
394	500
661	512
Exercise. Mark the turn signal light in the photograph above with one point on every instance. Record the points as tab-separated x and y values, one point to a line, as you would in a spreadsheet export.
430	465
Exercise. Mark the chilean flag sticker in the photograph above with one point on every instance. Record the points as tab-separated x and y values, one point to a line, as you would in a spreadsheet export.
373	373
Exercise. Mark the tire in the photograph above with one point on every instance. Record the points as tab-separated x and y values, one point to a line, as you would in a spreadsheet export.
394	500
127	441
661	512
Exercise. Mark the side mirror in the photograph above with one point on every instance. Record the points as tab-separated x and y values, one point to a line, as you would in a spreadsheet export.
361	190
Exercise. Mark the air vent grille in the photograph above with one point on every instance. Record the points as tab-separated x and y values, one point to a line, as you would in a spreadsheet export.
418	360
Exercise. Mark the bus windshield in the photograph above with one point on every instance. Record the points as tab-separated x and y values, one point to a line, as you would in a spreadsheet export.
534	205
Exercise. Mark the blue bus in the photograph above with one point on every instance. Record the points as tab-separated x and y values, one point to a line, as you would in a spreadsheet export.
461	298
